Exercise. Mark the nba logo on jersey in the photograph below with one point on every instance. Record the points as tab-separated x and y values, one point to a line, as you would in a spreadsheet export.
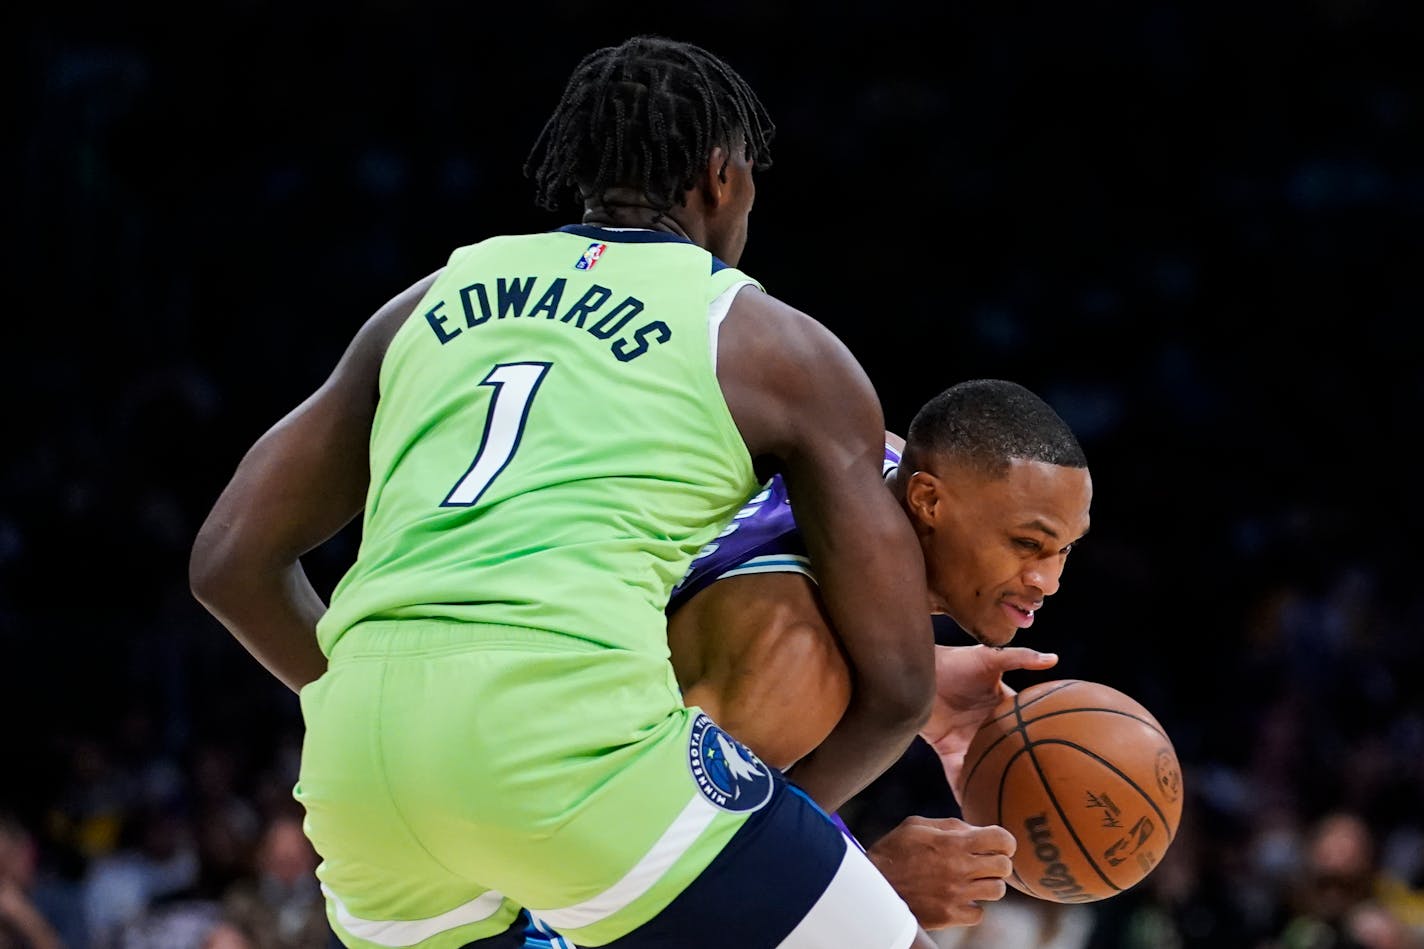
726	771
590	256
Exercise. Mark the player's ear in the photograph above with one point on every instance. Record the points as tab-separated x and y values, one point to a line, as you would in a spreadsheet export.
923	495
712	182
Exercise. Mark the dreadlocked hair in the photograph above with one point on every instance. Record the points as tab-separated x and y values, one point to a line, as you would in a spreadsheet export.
645	115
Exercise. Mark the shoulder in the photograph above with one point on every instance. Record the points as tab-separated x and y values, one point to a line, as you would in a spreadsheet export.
780	335
792	385
357	373
752	303
375	336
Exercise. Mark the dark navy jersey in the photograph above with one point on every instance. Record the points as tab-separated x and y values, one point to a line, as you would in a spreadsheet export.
762	537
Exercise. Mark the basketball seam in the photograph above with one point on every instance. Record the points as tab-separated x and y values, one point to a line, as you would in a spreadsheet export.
1013	711
1093	708
1037	698
980	760
1119	772
1064	711
1053	799
1003	779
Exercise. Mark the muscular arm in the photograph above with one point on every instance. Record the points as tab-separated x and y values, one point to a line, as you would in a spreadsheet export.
757	654
297	486
803	404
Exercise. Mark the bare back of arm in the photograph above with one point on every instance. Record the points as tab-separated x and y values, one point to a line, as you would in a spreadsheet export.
757	653
301	482
806	409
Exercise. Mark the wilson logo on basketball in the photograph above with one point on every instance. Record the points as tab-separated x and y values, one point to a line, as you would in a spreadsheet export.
1057	878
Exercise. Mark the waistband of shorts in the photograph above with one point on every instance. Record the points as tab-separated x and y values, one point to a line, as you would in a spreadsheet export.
410	637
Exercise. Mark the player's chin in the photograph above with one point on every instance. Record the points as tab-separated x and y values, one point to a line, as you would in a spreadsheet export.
995	635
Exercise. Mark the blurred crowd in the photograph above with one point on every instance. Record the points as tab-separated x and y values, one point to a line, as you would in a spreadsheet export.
142	851
144	827
1194	228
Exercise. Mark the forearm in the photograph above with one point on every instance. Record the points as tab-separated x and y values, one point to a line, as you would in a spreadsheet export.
800	397
880	606
272	612
297	486
865	742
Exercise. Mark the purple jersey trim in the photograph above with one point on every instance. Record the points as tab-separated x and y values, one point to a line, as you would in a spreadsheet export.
836	819
764	529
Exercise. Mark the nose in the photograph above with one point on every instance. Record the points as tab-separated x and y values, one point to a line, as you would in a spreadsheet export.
1044	575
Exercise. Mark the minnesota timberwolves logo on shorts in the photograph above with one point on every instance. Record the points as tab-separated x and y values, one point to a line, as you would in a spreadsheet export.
729	775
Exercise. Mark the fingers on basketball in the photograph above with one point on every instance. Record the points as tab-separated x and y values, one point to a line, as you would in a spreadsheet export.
994	840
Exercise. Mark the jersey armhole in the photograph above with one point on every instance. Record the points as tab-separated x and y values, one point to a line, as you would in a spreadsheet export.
717	311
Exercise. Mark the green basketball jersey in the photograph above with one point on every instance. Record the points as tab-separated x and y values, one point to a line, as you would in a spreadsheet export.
551	446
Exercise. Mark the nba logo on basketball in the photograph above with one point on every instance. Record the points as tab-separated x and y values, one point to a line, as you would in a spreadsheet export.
590	256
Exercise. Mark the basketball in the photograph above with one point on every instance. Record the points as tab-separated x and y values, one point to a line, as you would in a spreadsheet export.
1088	782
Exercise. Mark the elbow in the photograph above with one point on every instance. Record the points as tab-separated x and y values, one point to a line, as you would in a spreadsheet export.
914	706
901	698
203	576
209	568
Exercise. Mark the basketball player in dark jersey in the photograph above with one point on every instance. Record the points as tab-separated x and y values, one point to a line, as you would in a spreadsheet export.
998	491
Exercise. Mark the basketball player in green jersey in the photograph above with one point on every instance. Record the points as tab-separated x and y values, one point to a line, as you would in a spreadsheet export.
541	435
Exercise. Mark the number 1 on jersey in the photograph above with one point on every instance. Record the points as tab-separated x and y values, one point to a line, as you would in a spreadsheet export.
514	386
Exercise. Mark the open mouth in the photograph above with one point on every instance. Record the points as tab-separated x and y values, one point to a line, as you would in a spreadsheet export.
1021	616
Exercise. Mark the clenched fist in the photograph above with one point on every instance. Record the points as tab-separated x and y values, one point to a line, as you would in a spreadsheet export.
944	868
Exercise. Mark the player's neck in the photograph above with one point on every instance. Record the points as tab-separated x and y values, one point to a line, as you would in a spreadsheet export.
633	214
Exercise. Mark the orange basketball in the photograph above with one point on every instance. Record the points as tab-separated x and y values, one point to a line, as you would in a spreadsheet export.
1086	780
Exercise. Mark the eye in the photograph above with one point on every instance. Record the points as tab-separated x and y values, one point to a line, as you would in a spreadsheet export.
1027	543
1068	550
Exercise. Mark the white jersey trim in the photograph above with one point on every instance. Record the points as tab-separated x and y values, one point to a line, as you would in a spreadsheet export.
399	933
717	311
669	848
859	908
771	563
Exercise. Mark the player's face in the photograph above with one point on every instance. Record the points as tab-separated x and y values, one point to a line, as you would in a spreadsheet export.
995	547
727	226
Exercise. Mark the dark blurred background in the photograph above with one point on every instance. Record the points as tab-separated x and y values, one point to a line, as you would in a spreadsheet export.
1193	227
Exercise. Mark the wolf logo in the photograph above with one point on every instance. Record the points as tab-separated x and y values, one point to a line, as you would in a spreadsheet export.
738	767
726	771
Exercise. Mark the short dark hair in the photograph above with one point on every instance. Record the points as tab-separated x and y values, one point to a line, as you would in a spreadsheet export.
988	422
645	114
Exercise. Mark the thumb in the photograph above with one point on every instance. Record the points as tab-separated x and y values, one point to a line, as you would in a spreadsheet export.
1019	657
